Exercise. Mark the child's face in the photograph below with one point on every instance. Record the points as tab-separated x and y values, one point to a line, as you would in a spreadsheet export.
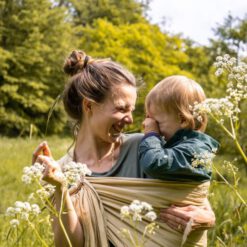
169	123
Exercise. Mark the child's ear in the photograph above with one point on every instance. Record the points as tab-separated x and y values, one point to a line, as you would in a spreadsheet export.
183	121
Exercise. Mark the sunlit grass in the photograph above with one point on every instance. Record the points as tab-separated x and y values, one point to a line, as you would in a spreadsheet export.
14	155
231	225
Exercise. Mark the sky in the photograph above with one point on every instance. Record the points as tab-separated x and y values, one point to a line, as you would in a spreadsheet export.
195	18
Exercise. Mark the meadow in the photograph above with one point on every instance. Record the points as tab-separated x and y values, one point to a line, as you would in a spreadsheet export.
231	225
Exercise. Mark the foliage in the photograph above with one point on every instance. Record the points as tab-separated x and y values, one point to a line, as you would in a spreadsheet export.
84	12
31	55
231	217
231	35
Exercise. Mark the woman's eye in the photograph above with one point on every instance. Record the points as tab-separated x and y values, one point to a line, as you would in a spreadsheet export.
124	110
121	109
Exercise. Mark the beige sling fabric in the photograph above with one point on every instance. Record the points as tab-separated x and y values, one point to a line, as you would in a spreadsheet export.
116	192
98	201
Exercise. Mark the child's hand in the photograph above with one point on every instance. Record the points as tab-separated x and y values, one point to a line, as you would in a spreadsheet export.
150	125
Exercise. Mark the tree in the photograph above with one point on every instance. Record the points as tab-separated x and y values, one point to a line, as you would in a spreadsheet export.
231	36
85	12
34	39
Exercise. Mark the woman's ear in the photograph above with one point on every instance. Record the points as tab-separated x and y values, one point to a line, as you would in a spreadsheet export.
87	105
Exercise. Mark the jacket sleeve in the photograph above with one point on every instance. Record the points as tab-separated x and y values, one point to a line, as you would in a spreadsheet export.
162	163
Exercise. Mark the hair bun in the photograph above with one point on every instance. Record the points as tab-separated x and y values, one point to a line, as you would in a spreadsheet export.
75	62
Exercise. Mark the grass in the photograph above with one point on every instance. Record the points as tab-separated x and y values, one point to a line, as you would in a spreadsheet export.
14	155
231	225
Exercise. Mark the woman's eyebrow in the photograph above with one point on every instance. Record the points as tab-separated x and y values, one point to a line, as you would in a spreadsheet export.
126	105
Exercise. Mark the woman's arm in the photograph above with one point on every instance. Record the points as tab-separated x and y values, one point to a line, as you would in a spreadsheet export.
69	219
178	217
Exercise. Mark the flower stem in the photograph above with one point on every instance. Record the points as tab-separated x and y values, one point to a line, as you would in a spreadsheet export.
240	150
232	187
37	234
237	143
46	200
232	136
222	126
58	215
60	219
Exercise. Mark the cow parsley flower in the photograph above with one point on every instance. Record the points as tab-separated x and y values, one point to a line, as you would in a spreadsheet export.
74	171
14	223
135	213
219	108
204	159
46	191
138	210
151	215
22	211
32	173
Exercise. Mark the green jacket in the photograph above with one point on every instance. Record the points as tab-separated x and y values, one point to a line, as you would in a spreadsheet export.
172	160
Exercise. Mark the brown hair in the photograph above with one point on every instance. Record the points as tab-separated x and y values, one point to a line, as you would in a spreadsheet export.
92	79
176	94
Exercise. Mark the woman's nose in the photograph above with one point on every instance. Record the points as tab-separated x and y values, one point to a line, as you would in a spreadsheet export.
128	118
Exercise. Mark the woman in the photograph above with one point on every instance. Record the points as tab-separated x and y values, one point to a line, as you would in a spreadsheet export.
100	96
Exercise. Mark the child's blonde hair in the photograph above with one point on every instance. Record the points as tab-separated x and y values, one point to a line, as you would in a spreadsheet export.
175	94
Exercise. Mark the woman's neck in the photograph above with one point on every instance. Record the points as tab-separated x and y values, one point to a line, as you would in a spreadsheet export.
99	156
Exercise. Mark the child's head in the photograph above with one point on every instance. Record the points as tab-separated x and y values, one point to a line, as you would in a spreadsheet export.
171	99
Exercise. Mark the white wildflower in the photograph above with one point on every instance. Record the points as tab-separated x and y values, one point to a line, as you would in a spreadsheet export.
135	212
22	210
204	159
10	211
219	58
137	217
219	72
60	175
19	204
146	206
74	171
35	209
32	173
24	216
217	107
151	215
14	223
135	208
46	191
124	212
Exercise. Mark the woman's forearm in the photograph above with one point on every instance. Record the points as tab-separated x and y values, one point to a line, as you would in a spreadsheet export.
178	217
69	220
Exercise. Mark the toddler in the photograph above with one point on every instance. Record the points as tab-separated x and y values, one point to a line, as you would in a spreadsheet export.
173	136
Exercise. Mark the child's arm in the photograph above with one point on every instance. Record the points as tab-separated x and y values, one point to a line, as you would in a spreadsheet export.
169	163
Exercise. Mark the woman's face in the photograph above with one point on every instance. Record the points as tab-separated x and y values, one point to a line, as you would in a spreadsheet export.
109	118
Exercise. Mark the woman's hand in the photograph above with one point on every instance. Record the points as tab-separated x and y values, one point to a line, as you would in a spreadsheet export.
52	173
178	217
42	149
